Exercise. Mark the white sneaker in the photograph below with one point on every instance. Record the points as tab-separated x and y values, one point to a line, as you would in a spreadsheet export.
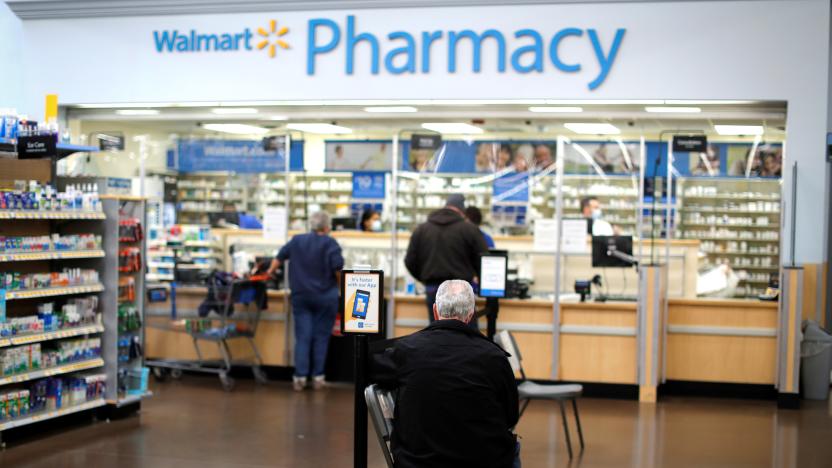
298	383
319	382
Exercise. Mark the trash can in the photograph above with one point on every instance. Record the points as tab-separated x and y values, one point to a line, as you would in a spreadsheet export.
816	361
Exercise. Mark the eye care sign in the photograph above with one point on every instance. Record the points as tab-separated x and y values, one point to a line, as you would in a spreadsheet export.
361	301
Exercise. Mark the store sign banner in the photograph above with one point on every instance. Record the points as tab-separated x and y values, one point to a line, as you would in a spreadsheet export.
690	143
39	146
219	155
399	51
274	223
368	185
425	142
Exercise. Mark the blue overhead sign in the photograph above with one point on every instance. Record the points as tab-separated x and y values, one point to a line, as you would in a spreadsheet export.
228	155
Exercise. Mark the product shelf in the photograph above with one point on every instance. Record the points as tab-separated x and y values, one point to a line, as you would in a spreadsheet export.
65	149
129	400
50	292
44	415
51	255
47	336
33	214
731	226
64	369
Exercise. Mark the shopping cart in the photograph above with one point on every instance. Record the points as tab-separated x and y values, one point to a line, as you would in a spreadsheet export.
230	311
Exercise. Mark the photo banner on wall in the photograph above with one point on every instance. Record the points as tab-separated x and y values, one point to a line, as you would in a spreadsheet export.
239	156
371	155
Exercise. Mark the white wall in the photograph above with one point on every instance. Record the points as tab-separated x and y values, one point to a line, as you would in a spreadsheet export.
759	50
11	50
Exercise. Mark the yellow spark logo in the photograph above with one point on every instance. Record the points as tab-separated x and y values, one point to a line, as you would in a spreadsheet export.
266	42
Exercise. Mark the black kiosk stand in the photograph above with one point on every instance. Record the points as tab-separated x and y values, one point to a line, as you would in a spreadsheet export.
493	272
360	305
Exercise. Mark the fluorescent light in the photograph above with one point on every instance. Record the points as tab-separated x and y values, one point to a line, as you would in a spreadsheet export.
322	128
277	117
706	102
237	129
234	110
456	128
391	109
137	112
643	102
673	110
554	109
593	128
736	130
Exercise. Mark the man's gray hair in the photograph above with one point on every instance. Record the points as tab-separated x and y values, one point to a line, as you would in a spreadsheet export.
319	221
455	300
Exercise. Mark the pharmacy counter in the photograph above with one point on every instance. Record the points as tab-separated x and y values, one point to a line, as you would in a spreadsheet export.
725	341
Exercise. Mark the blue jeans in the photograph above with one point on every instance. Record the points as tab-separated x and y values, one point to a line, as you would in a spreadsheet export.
314	316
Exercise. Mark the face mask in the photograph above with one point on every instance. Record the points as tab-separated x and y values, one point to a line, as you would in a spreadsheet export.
597	213
376	226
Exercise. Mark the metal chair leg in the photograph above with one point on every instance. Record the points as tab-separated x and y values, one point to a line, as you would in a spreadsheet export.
578	422
565	428
523	408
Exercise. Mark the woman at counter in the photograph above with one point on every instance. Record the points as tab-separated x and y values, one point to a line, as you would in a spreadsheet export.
370	221
316	259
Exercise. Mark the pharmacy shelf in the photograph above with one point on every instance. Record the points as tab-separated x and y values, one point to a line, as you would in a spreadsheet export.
743	254
45	415
64	369
33	214
50	292
47	336
730	198
161	265
195	266
51	255
159	277
195	243
728	239
755	267
730	226
65	149
729	211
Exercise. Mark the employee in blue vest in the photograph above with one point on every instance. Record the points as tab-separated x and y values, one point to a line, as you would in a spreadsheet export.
315	260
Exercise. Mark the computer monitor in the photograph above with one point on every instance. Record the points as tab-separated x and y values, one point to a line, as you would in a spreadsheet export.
343	223
230	217
612	251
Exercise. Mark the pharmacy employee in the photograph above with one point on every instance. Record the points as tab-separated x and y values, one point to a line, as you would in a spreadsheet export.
591	211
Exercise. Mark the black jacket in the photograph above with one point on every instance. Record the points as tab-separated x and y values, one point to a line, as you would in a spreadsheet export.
457	398
445	247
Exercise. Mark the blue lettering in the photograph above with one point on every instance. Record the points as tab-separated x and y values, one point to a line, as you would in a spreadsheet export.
165	40
476	44
536	49
227	42
313	47
409	50
248	34
182	44
553	49
605	61
211	42
352	40
427	40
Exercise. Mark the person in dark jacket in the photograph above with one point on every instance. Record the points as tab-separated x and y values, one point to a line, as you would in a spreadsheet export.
314	262
445	247
457	398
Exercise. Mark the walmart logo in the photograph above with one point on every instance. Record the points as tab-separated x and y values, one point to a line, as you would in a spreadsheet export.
193	41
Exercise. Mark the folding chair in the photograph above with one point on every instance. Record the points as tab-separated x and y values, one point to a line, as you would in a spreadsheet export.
528	390
380	404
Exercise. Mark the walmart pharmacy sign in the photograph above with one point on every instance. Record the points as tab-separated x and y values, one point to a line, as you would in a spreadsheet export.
523	51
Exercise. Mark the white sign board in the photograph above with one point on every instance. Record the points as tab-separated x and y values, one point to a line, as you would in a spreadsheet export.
274	223
574	235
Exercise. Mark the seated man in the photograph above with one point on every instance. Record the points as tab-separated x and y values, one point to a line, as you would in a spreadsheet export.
457	398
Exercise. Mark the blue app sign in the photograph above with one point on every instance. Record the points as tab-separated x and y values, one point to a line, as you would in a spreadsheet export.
368	185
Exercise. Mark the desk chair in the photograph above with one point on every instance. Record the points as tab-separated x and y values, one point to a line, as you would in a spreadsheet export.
380	404
528	390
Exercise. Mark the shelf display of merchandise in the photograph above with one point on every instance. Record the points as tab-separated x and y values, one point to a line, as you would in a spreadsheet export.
185	253
59	314
737	222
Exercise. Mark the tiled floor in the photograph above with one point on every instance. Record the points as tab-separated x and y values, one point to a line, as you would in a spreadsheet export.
192	423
